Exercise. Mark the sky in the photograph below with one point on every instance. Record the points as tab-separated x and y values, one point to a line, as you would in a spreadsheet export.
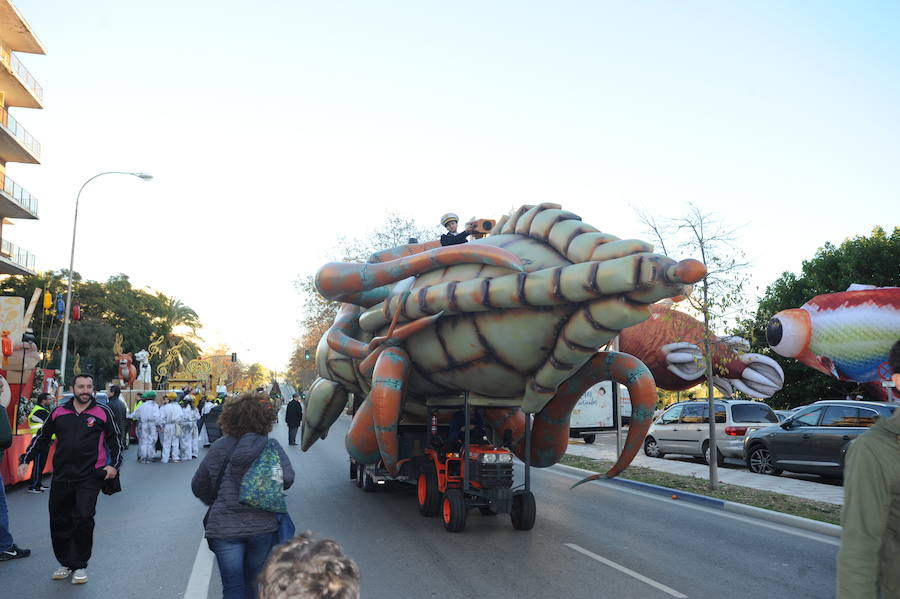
272	128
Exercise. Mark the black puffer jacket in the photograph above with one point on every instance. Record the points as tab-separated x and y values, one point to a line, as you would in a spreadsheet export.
228	518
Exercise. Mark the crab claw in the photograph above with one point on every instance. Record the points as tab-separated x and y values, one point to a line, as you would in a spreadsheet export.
761	378
685	360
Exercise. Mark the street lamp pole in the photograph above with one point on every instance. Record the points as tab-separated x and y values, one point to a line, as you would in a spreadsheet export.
65	339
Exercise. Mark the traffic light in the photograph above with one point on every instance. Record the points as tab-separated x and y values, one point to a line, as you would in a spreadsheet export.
307	355
234	356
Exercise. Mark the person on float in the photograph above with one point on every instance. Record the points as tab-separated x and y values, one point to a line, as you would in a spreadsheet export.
170	418
36	419
451	222
146	415
82	426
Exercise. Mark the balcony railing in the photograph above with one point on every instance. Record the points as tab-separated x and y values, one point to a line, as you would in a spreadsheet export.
12	61
19	132
16	254
18	194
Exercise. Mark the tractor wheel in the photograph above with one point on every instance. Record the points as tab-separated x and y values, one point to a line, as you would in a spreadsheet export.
523	511
427	491
453	508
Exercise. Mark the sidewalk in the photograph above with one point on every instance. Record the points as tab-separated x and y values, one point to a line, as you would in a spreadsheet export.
730	473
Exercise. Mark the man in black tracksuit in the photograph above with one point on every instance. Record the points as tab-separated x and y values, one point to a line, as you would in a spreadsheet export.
88	451
293	416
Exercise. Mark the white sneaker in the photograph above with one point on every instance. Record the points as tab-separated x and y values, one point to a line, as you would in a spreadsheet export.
61	573
80	576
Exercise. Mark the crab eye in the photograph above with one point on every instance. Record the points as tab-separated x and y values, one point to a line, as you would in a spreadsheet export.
789	332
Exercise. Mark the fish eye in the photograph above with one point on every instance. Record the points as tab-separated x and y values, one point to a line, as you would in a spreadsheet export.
789	332
774	332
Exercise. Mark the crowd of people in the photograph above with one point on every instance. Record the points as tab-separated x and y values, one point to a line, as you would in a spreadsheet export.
176	426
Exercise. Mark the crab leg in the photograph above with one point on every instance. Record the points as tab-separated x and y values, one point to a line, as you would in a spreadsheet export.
388	386
550	435
360	442
326	400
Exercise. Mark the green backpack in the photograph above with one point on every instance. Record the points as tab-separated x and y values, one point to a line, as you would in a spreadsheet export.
263	485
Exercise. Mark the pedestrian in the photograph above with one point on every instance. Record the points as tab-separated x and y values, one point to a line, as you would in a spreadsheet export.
36	420
8	548
240	535
450	221
120	410
170	419
868	564
189	417
82	427
293	416
205	407
147	417
304	567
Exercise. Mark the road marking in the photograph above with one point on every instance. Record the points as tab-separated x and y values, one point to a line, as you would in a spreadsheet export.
623	569
756	521
201	573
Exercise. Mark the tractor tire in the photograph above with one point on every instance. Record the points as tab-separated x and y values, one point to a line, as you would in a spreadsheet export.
453	510
427	491
524	511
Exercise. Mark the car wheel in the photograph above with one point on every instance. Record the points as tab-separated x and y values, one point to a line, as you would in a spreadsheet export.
720	459
524	511
453	508
760	461
427	491
651	448
589	439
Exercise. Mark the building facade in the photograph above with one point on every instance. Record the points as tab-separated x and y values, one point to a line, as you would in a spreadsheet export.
18	89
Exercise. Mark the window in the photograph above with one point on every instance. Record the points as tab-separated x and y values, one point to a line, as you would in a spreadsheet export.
720	414
867	417
841	416
809	417
671	415
693	414
753	412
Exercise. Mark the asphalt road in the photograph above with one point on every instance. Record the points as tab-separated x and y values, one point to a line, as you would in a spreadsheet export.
148	541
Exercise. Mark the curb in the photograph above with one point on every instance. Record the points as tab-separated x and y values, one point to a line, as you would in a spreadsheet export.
822	528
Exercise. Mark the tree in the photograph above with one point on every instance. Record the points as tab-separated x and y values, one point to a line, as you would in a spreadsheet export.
318	312
869	260
721	292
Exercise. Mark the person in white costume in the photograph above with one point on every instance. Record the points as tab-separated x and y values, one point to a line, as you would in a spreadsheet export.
189	418
170	417
143	373
147	417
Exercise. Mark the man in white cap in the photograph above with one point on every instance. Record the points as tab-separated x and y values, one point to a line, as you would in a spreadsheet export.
451	237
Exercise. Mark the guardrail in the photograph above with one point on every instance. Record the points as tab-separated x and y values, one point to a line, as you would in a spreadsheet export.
16	66
16	254
19	195
19	132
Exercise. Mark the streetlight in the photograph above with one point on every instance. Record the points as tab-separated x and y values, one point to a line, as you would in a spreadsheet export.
65	339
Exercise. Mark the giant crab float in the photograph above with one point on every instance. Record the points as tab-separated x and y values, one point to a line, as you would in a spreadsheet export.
513	323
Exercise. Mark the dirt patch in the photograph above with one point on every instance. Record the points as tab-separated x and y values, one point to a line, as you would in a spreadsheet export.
778	502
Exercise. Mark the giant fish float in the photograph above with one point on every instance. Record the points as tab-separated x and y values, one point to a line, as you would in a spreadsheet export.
514	320
847	335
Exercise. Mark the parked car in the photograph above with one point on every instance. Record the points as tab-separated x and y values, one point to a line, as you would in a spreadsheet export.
684	428
814	439
784	414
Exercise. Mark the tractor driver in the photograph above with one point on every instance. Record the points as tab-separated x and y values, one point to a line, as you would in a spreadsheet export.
451	237
477	433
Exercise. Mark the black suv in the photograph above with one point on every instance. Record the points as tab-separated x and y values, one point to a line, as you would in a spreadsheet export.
814	440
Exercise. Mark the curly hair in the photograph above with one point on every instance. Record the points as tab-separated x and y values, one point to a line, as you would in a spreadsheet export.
247	413
304	567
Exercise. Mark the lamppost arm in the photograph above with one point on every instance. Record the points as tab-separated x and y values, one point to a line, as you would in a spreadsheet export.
65	339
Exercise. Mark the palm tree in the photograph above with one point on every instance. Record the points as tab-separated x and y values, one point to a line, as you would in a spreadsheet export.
177	322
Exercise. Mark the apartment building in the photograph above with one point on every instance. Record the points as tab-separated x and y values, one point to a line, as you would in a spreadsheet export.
18	89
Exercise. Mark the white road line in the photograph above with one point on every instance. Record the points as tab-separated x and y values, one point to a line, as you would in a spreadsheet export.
198	583
721	513
623	569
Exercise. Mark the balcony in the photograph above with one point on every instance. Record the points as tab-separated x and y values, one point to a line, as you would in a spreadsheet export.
21	88
16	202
17	144
14	260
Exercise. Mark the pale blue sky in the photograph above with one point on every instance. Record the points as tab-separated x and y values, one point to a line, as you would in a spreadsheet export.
273	126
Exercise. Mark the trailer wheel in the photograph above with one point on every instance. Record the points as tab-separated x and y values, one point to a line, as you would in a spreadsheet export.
453	508
352	470
360	469
588	439
427	491
523	511
368	484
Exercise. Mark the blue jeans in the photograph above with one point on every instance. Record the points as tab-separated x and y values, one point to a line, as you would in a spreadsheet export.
6	540
240	559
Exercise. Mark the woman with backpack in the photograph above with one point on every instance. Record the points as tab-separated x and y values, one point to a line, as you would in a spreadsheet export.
239	535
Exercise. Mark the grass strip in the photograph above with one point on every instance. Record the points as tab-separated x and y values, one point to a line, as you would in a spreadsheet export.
778	502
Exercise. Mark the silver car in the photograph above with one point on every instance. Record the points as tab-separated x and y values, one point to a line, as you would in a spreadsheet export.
684	428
